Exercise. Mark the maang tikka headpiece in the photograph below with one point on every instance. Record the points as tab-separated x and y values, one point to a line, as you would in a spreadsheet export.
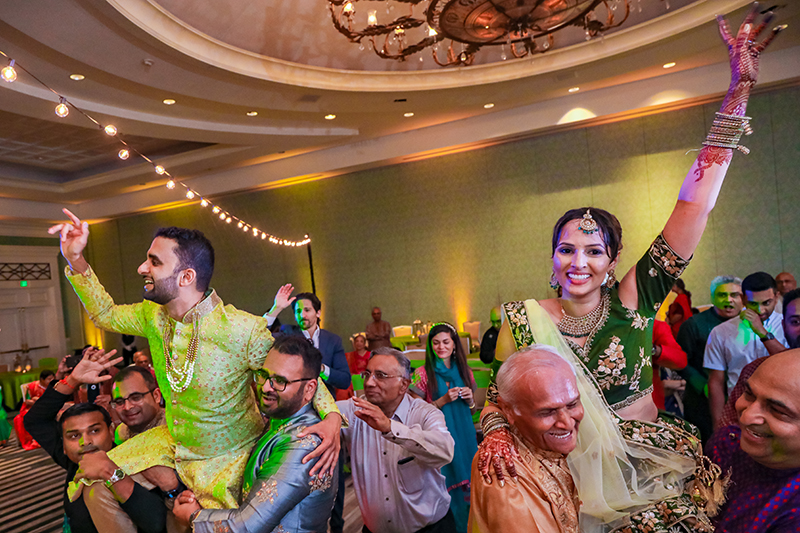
588	225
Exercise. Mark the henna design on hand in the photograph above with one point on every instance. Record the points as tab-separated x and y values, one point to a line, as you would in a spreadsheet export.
498	447
712	155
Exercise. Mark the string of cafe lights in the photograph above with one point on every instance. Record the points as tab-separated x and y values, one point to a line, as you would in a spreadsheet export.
9	74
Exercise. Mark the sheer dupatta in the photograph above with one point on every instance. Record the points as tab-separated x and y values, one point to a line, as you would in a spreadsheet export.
619	467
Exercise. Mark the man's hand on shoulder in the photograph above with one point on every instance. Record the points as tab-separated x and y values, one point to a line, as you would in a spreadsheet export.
74	236
328	430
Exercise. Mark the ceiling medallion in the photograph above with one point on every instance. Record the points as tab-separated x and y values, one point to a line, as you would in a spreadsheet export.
520	27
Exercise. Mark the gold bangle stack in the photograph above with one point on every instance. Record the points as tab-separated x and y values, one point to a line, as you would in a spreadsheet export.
727	130
493	422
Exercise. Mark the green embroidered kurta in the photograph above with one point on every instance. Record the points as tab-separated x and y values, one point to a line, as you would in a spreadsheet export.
213	424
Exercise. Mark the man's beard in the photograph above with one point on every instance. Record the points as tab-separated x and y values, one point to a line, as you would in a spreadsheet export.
284	407
794	343
163	291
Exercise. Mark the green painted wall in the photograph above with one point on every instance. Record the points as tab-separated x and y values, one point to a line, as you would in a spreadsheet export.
448	238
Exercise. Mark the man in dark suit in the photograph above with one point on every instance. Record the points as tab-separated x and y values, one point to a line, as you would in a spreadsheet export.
307	307
335	371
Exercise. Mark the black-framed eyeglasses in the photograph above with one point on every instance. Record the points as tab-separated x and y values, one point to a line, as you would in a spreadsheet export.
136	398
278	383
380	376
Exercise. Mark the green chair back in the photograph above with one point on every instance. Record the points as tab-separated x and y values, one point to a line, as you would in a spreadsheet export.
358	383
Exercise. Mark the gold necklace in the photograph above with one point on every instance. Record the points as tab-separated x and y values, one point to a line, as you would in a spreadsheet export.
583	326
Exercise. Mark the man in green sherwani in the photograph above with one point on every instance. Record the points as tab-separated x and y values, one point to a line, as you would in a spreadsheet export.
204	354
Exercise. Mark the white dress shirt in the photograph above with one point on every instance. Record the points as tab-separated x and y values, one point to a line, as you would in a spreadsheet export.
733	344
393	497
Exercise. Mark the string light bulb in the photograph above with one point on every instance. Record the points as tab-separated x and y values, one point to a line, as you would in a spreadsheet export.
110	130
204	202
190	194
222	216
124	154
241	224
8	73
215	210
263	236
61	109
171	184
160	170
228	220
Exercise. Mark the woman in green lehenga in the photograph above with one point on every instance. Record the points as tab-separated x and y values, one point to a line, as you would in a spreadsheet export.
635	470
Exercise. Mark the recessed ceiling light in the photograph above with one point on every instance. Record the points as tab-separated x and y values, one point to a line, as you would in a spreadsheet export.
574	89
77	77
252	113
169	101
669	65
330	117
488	106
409	114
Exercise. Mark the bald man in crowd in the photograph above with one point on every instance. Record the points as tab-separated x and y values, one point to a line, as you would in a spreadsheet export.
762	451
539	395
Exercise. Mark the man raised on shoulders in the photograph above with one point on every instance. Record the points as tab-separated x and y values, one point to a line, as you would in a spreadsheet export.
539	395
278	495
397	446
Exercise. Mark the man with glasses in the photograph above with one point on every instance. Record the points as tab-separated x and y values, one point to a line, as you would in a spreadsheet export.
397	446
279	494
136	399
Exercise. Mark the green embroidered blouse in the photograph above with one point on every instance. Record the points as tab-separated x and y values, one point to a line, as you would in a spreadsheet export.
618	353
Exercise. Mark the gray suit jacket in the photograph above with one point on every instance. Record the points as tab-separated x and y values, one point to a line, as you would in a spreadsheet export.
283	497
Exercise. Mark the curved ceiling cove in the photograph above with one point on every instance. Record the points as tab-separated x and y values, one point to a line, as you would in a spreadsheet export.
295	43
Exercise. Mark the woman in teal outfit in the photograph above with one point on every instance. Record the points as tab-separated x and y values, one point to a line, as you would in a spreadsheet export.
446	381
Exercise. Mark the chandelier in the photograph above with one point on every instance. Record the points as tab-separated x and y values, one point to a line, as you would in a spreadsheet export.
397	29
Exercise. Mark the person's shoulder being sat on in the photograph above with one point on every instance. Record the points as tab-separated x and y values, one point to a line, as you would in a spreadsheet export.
80	440
539	395
279	493
762	452
398	445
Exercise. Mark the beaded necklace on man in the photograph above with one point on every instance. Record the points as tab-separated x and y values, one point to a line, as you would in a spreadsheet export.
583	326
180	378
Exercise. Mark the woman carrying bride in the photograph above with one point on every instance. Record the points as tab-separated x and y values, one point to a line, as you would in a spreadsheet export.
635	471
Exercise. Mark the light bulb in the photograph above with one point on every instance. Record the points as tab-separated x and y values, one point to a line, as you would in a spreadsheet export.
432	32
348	8
222	216
255	232
110	130
215	210
330	117
245	229
190	194
228	220
372	18
263	236
8	73
124	154
204	202
160	169
61	109
171	184
240	224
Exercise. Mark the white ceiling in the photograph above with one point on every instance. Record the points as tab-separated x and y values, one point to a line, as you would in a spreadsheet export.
219	60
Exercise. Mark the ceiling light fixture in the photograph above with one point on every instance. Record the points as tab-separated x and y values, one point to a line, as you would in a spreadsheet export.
252	113
61	109
669	65
521	27
8	73
330	117
488	106
77	77
574	89
408	115
169	101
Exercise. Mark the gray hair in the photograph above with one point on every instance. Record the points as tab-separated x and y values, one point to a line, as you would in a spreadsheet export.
521	365
402	360
722	280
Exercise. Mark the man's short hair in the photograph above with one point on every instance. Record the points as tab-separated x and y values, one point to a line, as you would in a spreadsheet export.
723	280
311	297
44	374
789	297
81	409
194	251
759	281
128	371
402	360
519	366
299	346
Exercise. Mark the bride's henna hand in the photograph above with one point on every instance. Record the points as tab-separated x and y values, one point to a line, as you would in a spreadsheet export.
498	447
